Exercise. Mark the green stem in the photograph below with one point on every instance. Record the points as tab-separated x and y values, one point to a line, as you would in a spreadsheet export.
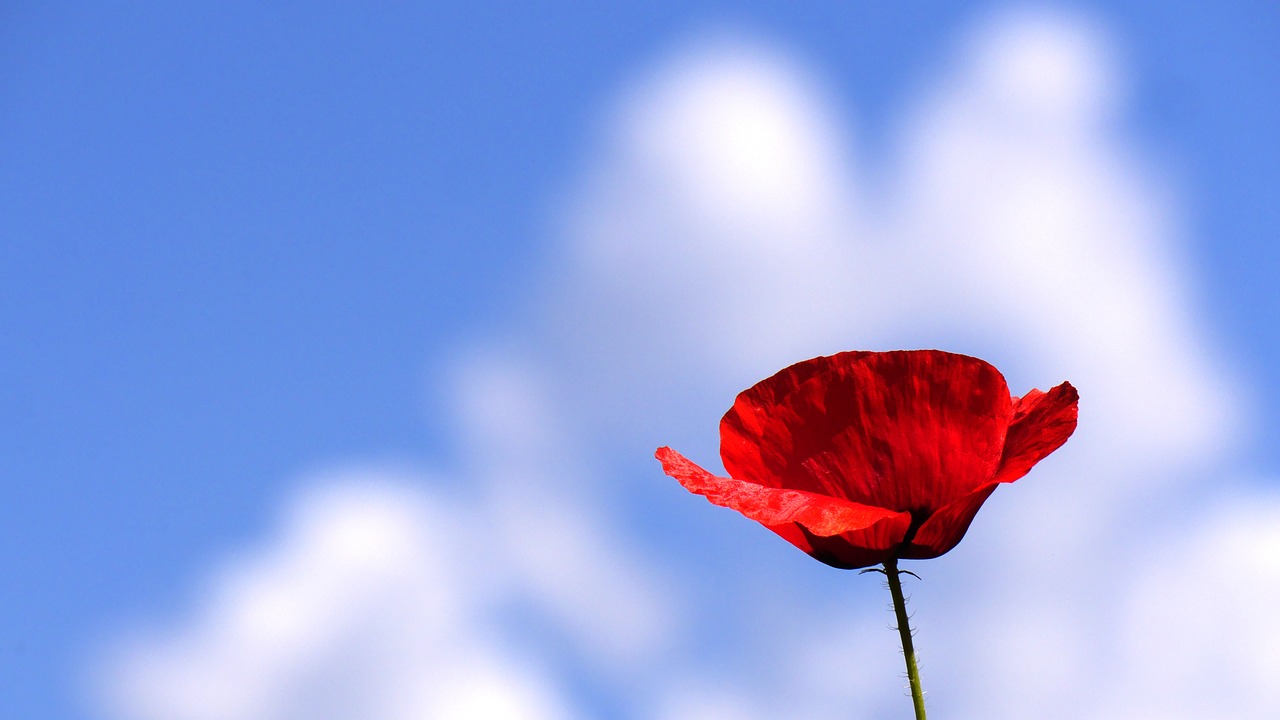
904	630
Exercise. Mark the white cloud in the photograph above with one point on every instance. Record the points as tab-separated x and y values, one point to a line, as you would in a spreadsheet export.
738	136
372	601
722	234
544	513
1200	630
710	228
377	599
1026	217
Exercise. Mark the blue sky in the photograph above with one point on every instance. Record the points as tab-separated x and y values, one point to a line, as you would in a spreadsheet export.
240	248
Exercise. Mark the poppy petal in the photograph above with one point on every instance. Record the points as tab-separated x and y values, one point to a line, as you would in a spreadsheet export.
909	430
858	548
819	515
945	528
743	427
1042	422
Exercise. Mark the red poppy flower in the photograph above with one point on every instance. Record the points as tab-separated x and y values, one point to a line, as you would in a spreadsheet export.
863	457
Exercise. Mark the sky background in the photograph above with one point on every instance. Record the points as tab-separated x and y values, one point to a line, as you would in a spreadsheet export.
336	343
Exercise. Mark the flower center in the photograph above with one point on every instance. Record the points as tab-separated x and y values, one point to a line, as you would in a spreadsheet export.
918	516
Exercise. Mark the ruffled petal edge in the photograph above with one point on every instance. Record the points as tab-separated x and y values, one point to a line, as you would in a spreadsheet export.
1041	423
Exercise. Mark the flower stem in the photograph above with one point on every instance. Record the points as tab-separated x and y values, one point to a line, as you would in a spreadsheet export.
904	630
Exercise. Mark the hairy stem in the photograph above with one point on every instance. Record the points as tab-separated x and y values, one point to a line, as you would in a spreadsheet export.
904	630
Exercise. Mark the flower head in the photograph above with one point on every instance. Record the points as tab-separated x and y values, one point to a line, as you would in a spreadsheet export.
862	457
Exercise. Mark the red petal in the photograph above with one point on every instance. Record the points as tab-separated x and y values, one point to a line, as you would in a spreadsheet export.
908	431
856	548
819	515
743	427
945	528
1042	422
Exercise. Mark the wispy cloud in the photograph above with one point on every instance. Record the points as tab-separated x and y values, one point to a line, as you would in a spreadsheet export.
1199	627
373	600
